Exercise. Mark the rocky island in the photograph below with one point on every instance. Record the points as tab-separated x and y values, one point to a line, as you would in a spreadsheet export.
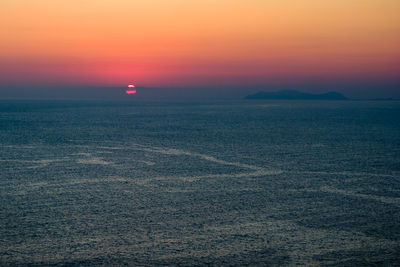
296	95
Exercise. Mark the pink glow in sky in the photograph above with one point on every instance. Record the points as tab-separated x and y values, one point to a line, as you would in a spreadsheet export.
199	42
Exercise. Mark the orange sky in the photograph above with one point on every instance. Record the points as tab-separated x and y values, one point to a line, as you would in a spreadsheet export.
197	42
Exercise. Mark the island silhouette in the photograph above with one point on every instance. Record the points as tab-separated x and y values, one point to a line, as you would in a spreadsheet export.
296	95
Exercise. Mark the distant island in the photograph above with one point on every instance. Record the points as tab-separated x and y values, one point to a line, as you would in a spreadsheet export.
296	95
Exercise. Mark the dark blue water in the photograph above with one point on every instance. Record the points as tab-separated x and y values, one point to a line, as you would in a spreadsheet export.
227	183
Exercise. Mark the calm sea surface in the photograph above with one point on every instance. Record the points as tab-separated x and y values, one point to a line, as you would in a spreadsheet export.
227	183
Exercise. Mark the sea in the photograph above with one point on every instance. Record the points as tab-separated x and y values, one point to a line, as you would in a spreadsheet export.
207	183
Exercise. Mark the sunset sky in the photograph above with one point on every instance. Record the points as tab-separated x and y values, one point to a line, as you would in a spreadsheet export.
192	43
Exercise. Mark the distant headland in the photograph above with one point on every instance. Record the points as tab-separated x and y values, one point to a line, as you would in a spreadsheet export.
296	95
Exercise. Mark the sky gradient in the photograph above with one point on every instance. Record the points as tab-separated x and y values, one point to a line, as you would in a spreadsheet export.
181	43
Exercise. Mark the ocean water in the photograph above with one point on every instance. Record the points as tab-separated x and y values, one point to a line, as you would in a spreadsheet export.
276	183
